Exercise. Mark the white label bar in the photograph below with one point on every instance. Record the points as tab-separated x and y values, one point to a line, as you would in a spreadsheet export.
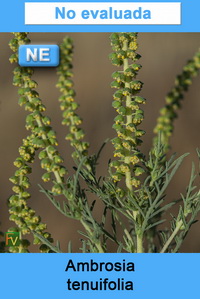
104	13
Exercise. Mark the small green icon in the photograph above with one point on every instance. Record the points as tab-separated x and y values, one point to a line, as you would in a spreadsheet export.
12	238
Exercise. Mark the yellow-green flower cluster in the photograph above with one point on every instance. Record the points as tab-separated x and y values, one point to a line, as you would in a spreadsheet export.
67	102
173	100
24	216
42	135
127	104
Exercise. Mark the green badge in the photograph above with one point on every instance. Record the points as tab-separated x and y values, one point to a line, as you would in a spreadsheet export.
12	238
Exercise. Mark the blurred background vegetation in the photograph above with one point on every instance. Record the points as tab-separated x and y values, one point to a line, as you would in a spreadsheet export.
163	56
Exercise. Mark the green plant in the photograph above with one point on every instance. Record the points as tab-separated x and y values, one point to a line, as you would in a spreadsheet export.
134	190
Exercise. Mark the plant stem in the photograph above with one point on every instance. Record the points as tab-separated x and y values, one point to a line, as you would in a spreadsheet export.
139	243
97	241
128	119
178	226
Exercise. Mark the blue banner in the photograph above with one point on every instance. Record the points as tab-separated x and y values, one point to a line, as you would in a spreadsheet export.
104	16
138	276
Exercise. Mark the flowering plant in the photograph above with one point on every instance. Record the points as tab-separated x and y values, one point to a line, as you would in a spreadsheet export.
134	190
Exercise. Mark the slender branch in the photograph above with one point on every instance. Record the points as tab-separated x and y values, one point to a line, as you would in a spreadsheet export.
173	235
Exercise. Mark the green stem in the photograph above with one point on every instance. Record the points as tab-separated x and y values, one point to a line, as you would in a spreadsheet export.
139	243
128	119
97	241
175	232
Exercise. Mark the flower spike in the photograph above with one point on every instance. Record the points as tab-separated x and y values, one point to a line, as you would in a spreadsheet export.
127	105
